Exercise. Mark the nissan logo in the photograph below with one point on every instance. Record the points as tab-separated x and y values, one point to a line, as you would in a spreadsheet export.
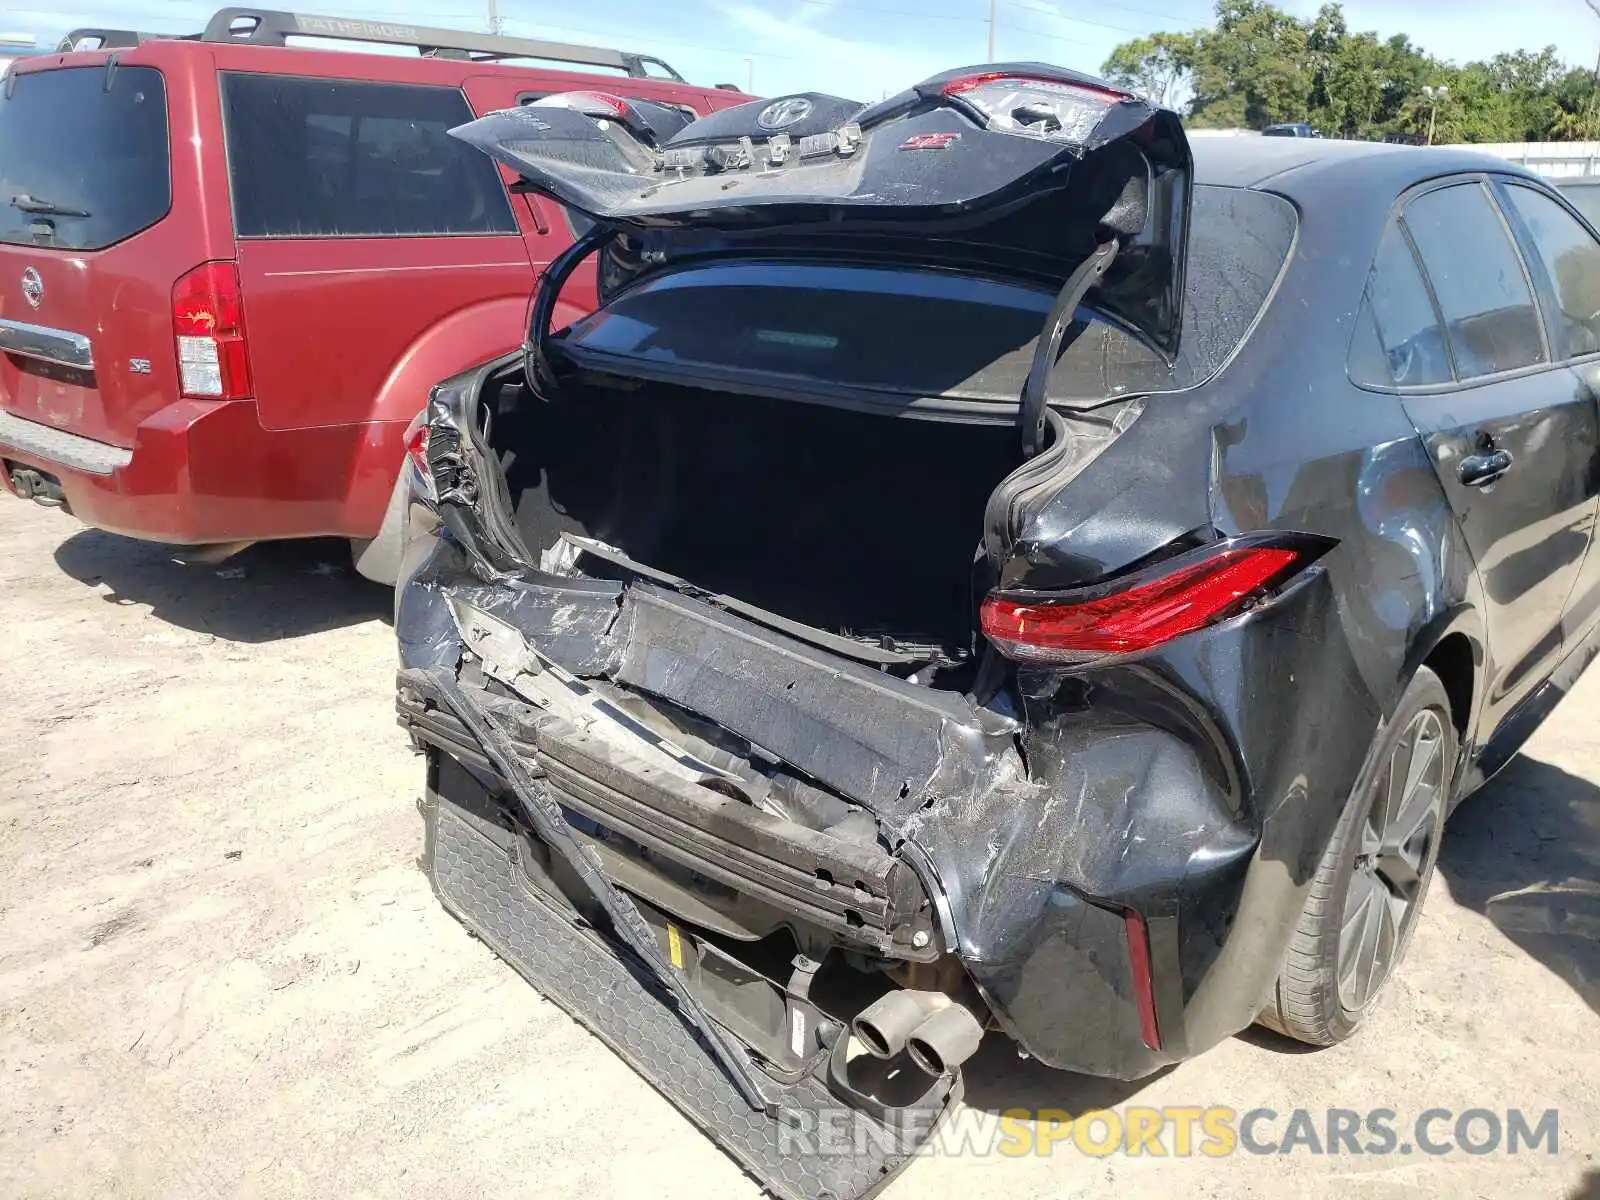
32	287
781	114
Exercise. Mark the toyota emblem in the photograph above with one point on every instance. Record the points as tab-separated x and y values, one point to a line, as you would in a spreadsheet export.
781	114
32	287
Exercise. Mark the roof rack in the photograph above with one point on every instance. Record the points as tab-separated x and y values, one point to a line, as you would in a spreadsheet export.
272	27
269	27
112	39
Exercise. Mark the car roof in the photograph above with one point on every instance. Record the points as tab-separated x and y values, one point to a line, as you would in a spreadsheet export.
1292	163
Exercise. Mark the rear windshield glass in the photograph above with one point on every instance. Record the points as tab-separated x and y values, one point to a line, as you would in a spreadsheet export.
941	334
83	156
335	158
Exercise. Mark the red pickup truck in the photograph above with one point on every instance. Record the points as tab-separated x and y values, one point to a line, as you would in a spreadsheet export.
232	265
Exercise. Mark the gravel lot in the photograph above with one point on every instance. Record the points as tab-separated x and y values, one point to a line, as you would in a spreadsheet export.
221	972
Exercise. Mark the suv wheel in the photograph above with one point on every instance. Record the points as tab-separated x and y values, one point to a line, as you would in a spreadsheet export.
1369	888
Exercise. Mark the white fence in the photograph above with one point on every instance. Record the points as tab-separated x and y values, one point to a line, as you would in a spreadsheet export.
1556	160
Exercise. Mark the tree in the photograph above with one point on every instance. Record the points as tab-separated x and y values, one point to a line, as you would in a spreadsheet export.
1157	67
1258	65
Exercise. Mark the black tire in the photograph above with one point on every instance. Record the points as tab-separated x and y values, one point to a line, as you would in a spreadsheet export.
1308	1002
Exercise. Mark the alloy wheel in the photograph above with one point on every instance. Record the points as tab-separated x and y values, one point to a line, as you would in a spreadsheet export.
1394	851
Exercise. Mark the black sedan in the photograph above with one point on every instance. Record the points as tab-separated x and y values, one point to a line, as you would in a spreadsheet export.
989	567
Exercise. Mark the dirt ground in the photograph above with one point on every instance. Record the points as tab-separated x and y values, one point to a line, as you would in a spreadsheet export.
221	972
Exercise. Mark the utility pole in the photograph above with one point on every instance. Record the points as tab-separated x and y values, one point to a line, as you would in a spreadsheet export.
991	31
749	77
1595	95
495	24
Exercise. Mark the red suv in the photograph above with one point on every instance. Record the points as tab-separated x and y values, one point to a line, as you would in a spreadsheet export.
231	267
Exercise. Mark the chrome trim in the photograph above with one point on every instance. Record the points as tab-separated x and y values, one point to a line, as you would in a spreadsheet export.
59	346
57	445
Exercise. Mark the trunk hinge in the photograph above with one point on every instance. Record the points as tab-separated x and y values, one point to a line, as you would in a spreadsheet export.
1063	316
535	358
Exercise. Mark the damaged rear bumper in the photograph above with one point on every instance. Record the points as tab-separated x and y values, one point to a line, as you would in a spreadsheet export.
1025	875
490	879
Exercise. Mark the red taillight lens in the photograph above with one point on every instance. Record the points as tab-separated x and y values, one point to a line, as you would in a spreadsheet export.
208	328
1047	108
417	442
1139	615
969	83
1144	991
590	103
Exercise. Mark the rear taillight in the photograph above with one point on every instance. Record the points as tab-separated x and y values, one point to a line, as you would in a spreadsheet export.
1178	597
1144	989
417	442
1047	108
208	325
594	104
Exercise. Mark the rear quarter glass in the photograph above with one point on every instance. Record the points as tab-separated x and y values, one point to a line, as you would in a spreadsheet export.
75	140
1585	197
920	332
344	158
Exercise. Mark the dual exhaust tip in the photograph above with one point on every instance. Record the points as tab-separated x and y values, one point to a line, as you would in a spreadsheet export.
934	1032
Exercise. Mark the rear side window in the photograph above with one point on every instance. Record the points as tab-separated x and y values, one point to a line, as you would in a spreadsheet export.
1585	197
1571	259
1410	346
336	158
1478	280
83	156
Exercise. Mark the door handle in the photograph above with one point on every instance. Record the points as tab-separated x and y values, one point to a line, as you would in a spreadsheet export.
1480	470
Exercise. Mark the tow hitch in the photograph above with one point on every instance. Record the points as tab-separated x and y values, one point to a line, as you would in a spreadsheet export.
38	486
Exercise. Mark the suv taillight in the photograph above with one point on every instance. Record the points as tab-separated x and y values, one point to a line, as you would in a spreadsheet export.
416	440
208	326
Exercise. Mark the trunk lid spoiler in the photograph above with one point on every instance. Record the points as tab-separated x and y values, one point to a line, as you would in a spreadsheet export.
1023	170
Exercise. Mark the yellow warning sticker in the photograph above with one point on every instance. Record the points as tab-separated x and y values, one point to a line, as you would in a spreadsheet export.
674	946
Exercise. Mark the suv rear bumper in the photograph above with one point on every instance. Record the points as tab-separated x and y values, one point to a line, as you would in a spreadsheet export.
203	471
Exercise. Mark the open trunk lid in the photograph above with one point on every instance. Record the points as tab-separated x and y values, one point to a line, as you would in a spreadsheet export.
85	187
1021	171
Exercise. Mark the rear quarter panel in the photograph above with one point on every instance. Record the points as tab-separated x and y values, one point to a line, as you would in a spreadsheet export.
1281	706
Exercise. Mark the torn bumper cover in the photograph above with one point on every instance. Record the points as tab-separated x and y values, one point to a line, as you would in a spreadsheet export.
1033	908
493	881
758	1066
1013	845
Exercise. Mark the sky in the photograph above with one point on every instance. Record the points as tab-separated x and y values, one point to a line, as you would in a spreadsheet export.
866	49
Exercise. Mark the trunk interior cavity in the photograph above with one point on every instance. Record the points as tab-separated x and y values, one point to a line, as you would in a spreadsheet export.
863	525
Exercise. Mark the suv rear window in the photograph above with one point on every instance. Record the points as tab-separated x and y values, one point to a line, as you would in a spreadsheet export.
930	333
337	158
75	141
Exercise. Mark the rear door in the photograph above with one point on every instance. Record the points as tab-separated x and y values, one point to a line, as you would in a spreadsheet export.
1565	256
361	226
96	221
1508	425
